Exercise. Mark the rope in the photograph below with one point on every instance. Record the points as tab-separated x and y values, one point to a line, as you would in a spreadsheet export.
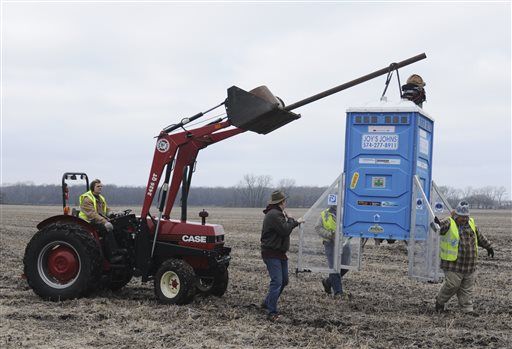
392	67
399	83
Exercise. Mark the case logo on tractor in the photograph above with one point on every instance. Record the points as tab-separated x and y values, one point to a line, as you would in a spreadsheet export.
194	238
162	145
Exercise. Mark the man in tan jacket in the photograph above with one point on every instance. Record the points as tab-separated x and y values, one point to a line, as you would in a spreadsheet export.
93	206
94	209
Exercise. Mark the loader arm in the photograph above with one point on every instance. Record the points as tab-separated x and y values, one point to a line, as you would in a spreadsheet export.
174	153
257	110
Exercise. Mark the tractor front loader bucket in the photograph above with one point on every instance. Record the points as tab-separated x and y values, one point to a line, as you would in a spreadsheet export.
261	113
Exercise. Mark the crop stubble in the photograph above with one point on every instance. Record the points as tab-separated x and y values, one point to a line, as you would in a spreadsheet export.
387	309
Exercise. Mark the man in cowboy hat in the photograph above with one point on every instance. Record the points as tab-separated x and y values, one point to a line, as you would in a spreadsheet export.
460	239
275	242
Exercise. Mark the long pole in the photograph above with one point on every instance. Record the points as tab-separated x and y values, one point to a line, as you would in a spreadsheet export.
357	81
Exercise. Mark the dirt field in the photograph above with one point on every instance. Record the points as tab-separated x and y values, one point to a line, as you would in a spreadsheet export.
387	310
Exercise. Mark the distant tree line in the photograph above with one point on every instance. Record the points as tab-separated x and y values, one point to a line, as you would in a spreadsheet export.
485	197
251	191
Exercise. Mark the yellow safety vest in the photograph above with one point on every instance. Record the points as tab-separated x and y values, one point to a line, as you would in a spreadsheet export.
91	196
450	241
328	221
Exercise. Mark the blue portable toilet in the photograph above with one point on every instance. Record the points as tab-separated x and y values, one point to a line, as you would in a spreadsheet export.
386	145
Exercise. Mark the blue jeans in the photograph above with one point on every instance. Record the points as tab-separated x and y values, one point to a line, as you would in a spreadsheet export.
278	271
335	279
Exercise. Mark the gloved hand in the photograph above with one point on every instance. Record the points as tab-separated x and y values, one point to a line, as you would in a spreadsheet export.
300	220
435	227
116	214
490	252
437	221
109	226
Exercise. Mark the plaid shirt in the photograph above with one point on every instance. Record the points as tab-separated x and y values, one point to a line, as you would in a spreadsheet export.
467	254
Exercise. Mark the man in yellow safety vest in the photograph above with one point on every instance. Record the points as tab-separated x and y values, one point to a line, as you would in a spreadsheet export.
460	239
326	228
93	206
94	209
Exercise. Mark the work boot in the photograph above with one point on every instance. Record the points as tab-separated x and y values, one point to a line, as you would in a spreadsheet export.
327	286
344	296
471	313
440	308
116	259
117	256
274	317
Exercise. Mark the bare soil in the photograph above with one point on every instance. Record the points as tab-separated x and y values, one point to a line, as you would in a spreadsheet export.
387	309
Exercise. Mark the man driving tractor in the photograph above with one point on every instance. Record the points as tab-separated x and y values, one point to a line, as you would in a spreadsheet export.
94	209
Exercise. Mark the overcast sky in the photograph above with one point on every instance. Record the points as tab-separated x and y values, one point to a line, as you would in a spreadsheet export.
86	86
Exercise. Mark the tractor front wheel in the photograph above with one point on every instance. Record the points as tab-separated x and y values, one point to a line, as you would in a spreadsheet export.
220	283
216	286
175	282
62	261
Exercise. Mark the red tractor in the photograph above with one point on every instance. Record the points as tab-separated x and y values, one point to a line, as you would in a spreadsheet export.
66	258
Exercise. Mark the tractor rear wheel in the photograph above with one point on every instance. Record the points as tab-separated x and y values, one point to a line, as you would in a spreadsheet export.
62	261
175	282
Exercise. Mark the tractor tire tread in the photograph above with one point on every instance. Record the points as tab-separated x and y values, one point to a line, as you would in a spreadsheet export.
220	283
187	278
91	256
